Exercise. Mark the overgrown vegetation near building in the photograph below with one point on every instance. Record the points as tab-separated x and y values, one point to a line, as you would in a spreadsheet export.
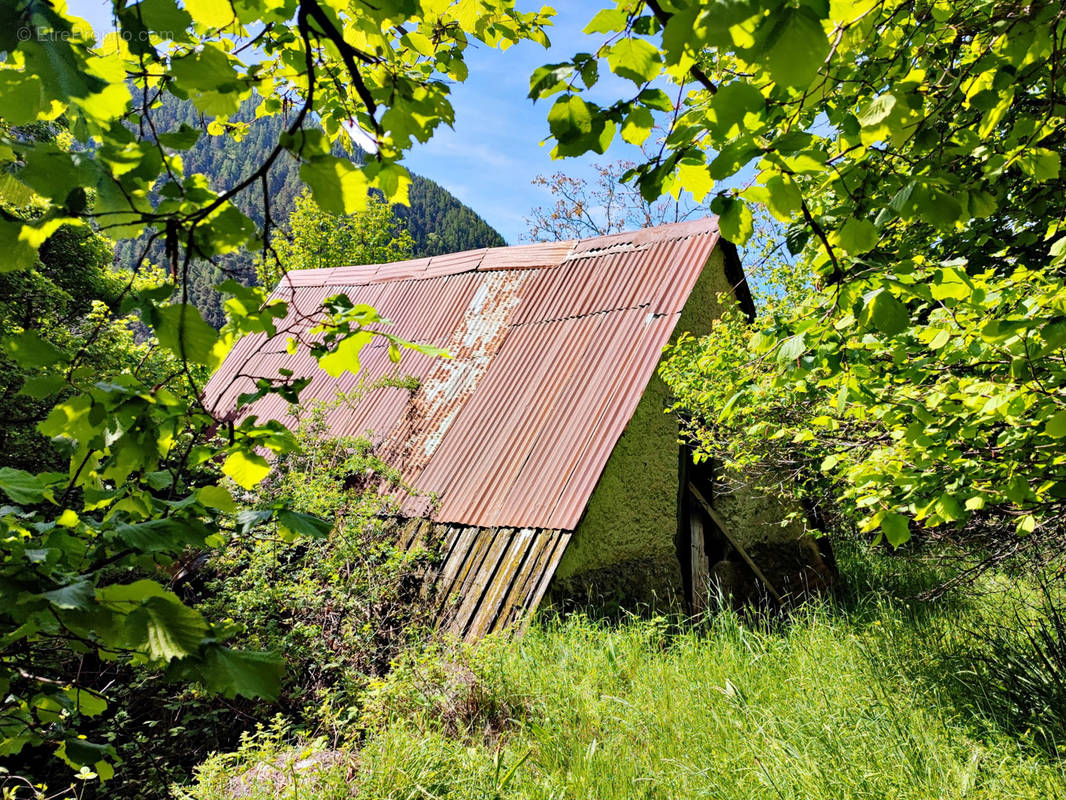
912	151
93	539
340	608
874	694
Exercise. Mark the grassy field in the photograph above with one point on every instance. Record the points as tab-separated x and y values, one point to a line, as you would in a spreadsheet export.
871	694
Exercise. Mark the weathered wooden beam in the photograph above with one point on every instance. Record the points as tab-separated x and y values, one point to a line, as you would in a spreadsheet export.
724	528
699	569
555	548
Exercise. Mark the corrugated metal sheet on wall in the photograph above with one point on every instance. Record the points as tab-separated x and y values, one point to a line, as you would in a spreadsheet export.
553	345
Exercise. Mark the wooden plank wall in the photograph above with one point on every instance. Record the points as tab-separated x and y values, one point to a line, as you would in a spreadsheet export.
487	578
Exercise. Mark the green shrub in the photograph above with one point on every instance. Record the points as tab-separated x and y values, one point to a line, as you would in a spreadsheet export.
446	686
339	609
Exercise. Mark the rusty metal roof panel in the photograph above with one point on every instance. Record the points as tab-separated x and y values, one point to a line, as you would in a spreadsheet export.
677	230
657	274
526	256
305	277
553	347
451	263
634	376
498	428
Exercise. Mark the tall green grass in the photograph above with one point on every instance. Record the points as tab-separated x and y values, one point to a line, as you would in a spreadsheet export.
862	696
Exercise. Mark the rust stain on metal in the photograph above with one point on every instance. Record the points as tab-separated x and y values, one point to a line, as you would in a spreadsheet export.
472	344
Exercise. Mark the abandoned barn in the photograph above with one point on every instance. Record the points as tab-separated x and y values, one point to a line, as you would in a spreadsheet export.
541	454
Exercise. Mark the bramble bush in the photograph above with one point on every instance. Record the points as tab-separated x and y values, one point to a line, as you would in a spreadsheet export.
340	608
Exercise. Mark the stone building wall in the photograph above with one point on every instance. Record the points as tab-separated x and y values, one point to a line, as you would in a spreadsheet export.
625	546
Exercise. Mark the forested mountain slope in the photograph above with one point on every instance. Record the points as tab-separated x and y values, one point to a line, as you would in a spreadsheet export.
437	221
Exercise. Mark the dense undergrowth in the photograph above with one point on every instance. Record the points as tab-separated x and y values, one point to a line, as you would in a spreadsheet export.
871	694
337	610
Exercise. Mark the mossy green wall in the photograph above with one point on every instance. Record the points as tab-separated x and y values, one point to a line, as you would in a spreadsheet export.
624	545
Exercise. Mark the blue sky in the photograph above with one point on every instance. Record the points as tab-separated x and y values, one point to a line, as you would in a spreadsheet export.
494	151
491	156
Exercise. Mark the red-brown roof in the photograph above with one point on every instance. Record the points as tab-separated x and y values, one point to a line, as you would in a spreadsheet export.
553	347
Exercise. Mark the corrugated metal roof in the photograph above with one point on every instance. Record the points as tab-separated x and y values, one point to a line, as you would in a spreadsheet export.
553	346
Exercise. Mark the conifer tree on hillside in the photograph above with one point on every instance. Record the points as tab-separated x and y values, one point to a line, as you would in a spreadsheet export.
439	223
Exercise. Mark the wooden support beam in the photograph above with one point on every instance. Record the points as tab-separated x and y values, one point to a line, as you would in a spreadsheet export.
720	522
699	567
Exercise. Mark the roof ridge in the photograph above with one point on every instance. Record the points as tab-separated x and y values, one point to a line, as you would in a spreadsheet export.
531	255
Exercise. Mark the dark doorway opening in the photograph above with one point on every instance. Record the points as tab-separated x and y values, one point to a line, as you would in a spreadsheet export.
700	544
